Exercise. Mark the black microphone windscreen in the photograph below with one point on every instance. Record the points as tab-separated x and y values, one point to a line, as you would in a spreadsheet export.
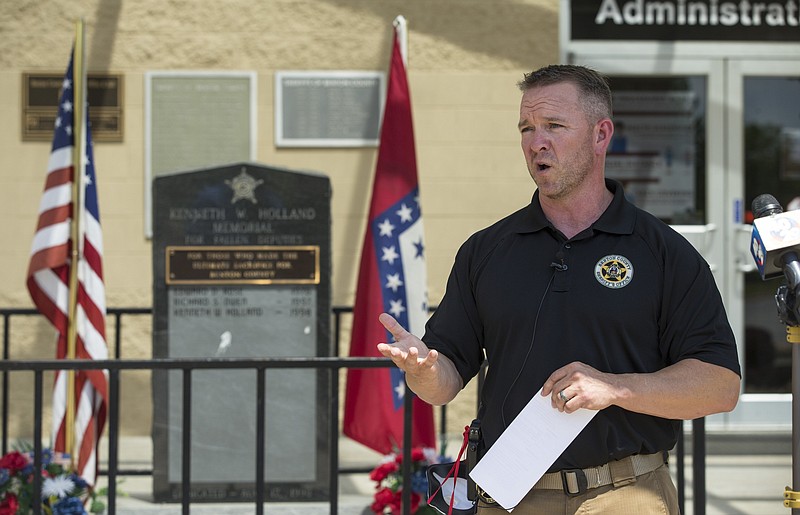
765	205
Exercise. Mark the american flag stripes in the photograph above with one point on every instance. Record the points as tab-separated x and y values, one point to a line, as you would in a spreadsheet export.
48	281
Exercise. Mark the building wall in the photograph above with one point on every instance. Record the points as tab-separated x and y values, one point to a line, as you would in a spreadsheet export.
464	59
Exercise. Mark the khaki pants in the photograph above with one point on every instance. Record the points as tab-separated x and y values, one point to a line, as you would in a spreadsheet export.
651	493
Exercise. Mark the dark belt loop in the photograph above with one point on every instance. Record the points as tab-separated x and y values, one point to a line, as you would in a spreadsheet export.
574	482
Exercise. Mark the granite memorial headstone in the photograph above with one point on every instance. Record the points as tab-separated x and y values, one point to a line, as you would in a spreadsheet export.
241	268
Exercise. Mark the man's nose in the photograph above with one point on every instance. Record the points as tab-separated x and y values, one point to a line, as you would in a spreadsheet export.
537	141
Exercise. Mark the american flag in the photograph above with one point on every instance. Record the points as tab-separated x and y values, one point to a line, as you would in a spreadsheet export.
48	283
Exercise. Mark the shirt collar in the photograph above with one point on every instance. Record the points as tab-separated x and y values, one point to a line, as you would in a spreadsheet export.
618	218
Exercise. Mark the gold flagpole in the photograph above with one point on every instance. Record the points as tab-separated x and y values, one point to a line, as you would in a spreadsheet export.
78	149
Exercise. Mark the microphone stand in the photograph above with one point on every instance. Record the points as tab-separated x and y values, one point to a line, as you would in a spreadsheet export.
789	314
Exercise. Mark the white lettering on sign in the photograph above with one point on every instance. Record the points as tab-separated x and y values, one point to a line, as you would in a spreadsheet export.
710	12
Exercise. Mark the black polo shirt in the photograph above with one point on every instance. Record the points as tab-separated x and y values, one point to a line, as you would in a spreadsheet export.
628	295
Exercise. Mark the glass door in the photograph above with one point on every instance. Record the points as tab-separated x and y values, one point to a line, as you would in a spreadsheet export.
667	129
668	145
700	138
763	142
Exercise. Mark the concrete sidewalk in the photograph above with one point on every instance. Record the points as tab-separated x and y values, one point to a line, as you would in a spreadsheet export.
745	475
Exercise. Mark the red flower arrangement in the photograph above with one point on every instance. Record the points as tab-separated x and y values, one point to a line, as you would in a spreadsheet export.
388	476
63	492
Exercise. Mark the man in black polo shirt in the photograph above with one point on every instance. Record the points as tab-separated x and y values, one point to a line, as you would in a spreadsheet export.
583	295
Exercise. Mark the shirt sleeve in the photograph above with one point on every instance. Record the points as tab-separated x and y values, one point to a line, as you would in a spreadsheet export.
693	321
455	328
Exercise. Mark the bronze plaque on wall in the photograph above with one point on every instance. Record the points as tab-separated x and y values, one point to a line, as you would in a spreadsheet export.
40	92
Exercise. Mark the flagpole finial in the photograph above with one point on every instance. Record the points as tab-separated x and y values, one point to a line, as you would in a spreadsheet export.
401	27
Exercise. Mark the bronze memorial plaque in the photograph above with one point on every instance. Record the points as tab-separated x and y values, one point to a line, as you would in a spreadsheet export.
243	265
40	93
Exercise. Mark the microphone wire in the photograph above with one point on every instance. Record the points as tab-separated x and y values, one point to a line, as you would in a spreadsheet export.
557	269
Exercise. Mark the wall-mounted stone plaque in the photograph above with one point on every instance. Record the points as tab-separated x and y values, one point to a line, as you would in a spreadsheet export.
328	109
197	120
241	267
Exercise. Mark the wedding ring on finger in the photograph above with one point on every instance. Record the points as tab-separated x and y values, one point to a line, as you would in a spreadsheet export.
563	397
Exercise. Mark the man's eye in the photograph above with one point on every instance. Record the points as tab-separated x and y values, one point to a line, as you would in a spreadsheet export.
555	125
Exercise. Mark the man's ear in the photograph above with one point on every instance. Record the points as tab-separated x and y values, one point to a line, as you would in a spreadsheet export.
604	130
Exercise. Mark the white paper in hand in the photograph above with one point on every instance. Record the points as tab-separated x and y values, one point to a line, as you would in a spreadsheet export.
526	449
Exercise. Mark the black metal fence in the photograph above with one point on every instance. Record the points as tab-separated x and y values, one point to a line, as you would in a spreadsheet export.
259	366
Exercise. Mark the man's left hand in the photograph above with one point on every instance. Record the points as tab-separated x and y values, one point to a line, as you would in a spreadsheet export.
578	385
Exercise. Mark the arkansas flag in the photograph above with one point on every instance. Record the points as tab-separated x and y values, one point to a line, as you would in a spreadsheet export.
392	278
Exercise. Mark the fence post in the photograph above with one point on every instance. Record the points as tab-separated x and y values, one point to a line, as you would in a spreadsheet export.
37	443
186	437
408	419
699	465
334	450
6	336
113	438
261	403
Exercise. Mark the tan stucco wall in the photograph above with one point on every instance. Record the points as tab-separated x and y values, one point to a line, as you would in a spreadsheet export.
465	57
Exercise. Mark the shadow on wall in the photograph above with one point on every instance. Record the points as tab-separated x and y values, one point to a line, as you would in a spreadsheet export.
104	34
478	26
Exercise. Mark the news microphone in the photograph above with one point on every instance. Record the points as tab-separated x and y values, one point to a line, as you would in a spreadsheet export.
775	241
765	205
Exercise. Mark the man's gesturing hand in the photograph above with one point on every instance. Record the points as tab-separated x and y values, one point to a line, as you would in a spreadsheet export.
432	376
408	352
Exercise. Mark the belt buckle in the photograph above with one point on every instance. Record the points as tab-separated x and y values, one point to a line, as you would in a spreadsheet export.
574	481
484	496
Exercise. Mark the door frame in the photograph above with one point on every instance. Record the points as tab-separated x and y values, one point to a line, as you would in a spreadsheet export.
724	239
755	409
708	238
